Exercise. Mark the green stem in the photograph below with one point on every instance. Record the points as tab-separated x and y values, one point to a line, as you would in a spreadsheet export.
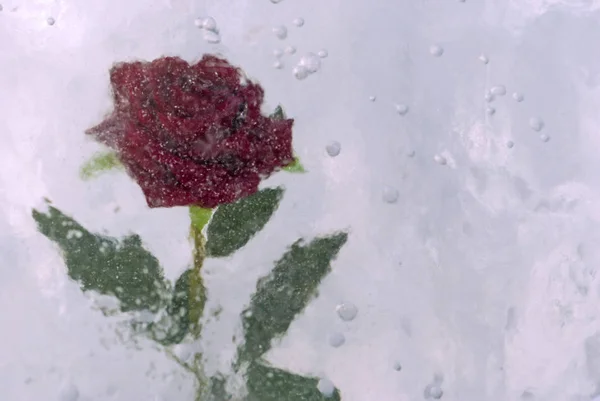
197	291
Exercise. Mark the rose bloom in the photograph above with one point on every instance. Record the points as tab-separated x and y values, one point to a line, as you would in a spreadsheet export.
192	134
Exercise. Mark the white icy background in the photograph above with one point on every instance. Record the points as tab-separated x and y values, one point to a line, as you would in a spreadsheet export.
483	272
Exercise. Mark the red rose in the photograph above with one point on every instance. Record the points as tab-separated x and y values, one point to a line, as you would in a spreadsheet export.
192	134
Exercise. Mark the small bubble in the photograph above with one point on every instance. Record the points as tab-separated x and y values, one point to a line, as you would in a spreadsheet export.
198	22
183	352
50	21
347	311
69	393
300	72
290	50
278	64
372	98
397	366
544	138
439	159
211	37
499	90
390	195
270	375
436	50
280	31
326	387
276	1
401	109
322	53
210	24
518	97
333	148
490	110
484	59
337	340
433	391
411	153
311	61
489	97
510	144
298	22
1	8
536	124
278	52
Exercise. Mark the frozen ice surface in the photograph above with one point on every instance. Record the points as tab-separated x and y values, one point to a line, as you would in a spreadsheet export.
501	228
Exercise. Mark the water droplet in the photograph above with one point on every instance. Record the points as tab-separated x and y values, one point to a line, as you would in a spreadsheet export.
489	97
397	366
439	159
69	393
436	50
402	109
298	22
333	148
211	37
290	50
280	31
337	340
278	64
323	53
326	387
518	97
510	144
484	59
278	52
347	311
544	138
433	391
311	61
536	123
490	110
372	98
50	21
300	72
499	90
209	24
390	194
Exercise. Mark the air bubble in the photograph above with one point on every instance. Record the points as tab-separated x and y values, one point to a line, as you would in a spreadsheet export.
333	148
489	97
372	98
544	138
411	153
322	53
436	50
401	109
278	64
290	50
484	59
439	159
337	340
69	393
311	61
518	97
390	195
300	72
209	24
51	21
397	367
536	123
510	144
276	1
490	110
211	37
326	387
433	391
280	31
298	22
499	90
278	52
347	311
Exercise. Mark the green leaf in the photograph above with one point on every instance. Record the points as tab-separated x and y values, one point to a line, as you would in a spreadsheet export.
123	268
278	113
101	162
234	224
295	167
286	291
200	217
272	384
184	310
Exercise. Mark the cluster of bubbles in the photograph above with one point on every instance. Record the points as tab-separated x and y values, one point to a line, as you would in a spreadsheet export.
210	30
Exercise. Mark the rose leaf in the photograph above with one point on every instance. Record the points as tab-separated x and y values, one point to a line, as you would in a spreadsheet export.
234	224
285	292
295	167
100	163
